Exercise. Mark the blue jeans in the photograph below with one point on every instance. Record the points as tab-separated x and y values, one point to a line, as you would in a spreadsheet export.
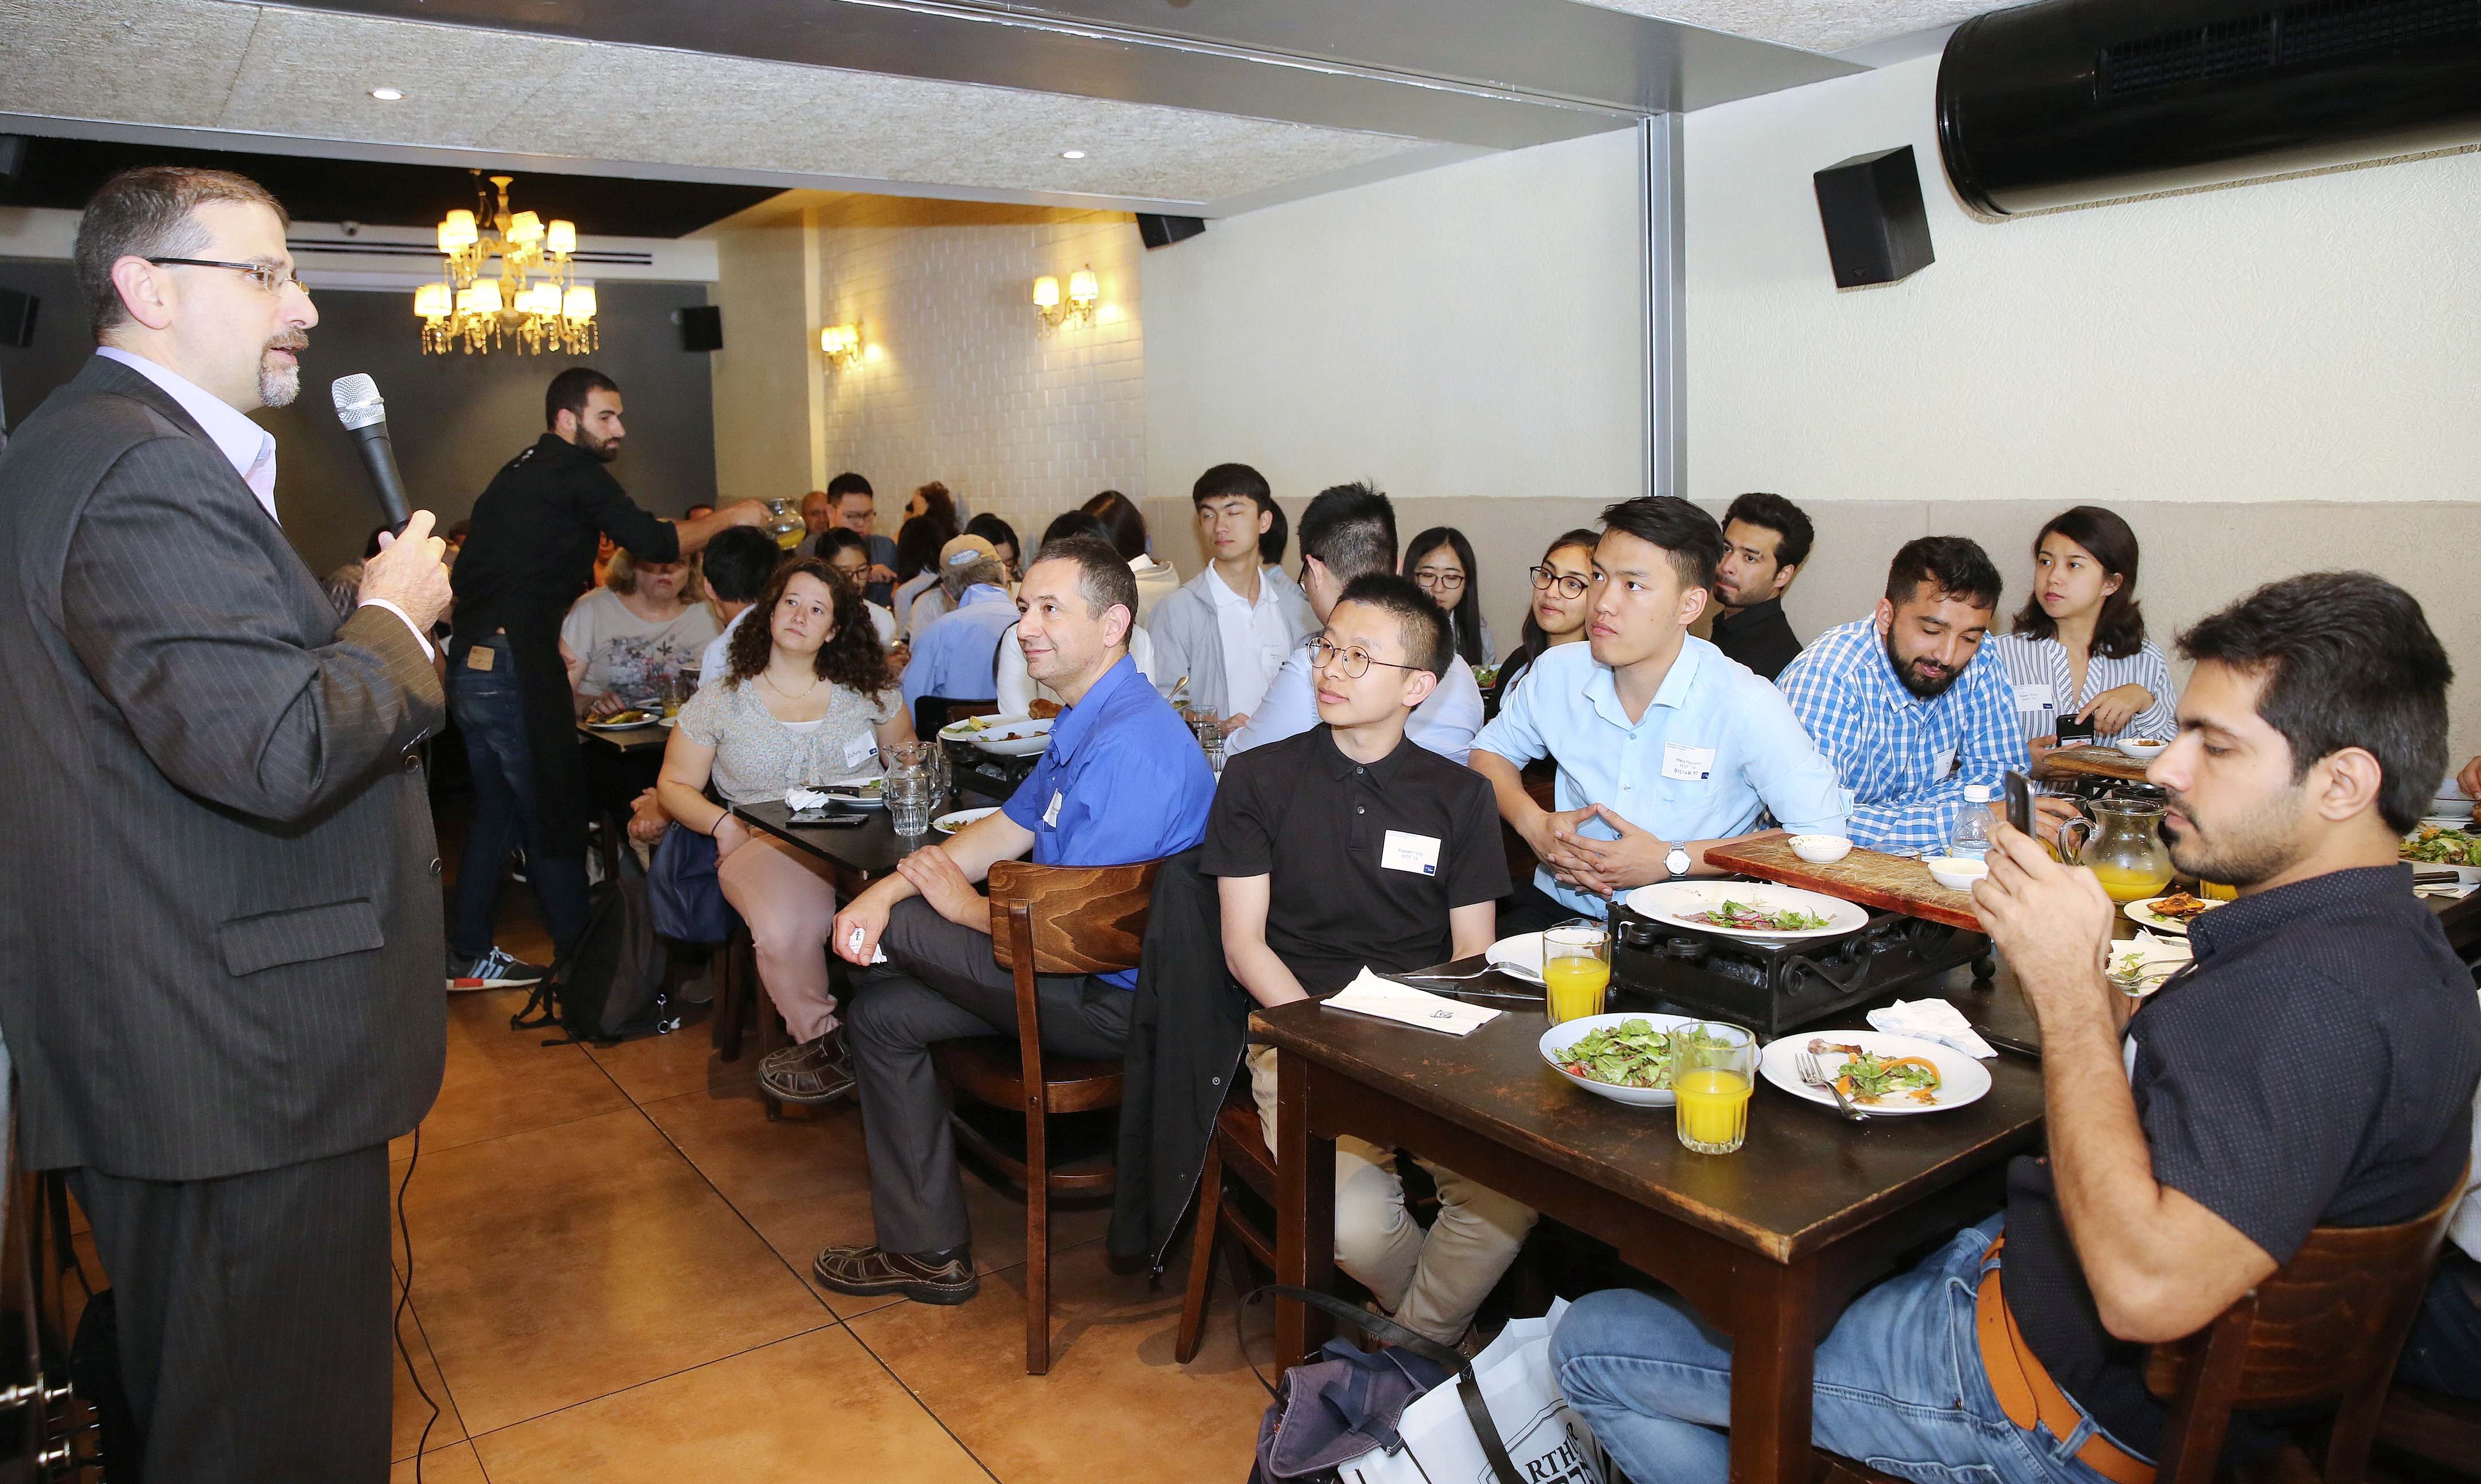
491	718
2444	1351
1900	1383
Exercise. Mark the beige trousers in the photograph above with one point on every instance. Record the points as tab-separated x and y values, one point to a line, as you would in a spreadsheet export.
1431	1283
784	895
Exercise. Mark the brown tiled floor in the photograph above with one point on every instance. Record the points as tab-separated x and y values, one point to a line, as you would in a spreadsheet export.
612	1283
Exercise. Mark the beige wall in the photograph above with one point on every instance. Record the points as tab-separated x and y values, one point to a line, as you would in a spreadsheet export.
1472	331
2314	339
962	383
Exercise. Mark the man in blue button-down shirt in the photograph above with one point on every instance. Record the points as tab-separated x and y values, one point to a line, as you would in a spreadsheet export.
1122	781
1906	704
953	654
1664	745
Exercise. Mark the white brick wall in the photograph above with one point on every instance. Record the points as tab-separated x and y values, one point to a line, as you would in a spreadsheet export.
962	383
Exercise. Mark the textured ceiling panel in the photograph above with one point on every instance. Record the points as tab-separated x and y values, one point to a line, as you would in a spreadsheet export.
165	61
677	107
311	74
1820	25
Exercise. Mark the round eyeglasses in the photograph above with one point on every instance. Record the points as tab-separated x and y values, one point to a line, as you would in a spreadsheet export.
1357	661
1569	584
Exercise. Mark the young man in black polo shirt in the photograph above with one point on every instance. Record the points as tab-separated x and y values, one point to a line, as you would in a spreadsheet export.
2314	1068
1346	845
1765	540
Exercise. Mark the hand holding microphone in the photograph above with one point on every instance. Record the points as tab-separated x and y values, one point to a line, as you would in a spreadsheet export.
409	571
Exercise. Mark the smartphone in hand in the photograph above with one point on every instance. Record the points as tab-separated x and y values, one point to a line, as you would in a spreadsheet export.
2019	801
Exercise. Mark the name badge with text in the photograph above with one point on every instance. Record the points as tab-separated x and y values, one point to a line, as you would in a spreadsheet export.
1688	764
1410	853
861	749
2033	697
1943	764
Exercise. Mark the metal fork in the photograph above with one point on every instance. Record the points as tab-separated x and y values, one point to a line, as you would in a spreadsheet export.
1814	1073
1449	978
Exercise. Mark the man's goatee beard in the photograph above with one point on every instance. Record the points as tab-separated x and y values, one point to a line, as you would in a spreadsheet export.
277	388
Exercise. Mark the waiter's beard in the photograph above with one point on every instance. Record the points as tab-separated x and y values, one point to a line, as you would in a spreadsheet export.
280	381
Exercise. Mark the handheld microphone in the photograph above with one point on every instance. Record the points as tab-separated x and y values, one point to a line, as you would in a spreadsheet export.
365	416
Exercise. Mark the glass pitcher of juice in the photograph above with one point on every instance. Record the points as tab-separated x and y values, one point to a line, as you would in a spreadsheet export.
2122	845
1576	969
785	524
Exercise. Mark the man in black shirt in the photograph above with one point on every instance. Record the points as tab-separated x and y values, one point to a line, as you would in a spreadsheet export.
1768	538
529	552
1349	845
2315	1067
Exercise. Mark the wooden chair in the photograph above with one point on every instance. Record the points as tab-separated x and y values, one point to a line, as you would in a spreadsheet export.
2439	1429
930	713
1238	1148
2323	1331
1047	920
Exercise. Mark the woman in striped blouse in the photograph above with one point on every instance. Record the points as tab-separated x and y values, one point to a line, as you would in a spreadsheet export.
2079	649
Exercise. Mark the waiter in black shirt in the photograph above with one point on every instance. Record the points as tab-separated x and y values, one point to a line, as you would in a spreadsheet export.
529	554
1767	539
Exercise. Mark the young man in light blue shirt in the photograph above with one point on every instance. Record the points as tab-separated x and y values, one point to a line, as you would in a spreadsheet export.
1664	745
1350	531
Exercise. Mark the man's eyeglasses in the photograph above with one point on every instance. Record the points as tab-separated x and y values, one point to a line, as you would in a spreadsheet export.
1439	582
1569	584
1357	661
270	276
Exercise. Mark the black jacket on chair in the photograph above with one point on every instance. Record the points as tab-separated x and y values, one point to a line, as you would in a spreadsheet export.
1187	1031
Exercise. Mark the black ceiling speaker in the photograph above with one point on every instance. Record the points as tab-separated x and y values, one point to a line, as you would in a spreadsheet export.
701	326
2071	101
17	318
1164	231
1876	229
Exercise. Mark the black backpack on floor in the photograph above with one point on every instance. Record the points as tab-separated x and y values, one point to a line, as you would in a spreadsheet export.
610	987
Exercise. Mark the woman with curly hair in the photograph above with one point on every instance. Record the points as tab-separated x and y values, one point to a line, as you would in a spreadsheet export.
805	698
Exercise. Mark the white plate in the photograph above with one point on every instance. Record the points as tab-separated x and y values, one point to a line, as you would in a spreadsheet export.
2461	821
1519	957
2143	915
1962	1079
667	723
1008	737
1674	901
949	824
620	726
1556	1040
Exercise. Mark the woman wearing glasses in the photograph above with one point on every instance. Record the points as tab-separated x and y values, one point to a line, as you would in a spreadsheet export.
1562	586
1442	562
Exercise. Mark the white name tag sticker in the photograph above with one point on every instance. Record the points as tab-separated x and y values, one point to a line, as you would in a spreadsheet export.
1945	763
1410	853
861	749
2033	697
1688	765
1050	816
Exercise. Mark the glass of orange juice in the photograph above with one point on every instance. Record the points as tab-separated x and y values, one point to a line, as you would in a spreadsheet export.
1713	1069
1576	969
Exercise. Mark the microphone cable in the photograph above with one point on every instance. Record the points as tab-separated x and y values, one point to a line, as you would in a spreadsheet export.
404	1300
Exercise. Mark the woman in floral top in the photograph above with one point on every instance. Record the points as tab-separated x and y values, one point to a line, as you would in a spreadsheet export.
806	698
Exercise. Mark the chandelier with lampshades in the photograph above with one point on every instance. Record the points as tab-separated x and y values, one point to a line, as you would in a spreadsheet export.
508	283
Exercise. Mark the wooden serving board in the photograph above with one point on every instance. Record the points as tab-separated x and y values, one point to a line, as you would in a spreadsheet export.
2065	763
1891	883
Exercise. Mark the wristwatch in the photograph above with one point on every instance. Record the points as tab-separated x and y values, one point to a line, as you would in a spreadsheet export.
1677	861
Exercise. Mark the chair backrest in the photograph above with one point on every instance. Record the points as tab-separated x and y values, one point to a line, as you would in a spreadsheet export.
930	713
1083	918
2326	1327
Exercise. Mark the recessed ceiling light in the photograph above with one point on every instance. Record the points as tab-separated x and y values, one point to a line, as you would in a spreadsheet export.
388	94
1072	154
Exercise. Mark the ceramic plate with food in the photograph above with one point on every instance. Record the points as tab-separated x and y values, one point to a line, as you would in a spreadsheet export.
1023	736
1626	1058
621	720
1759	910
2169	914
949	824
1880	1073
2436	845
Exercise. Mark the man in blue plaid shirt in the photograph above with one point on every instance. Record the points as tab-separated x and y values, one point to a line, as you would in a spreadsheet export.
1904	703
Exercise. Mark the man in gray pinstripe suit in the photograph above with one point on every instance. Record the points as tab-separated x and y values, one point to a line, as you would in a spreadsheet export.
218	916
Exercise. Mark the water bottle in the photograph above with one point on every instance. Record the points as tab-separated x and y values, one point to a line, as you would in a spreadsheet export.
1972	840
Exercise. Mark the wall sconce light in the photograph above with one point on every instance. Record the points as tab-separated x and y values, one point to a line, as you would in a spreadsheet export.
1084	294
841	344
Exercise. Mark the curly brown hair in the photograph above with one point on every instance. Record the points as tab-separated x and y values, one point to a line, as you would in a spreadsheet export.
851	658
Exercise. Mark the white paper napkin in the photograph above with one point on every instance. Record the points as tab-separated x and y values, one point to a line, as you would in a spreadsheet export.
1386	999
2151	949
878	955
1931	1019
807	799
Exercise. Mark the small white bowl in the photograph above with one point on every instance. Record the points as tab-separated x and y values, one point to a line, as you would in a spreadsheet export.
1820	849
2143	749
1956	873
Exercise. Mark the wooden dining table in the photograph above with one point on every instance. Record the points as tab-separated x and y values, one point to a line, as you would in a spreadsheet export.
1768	1244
